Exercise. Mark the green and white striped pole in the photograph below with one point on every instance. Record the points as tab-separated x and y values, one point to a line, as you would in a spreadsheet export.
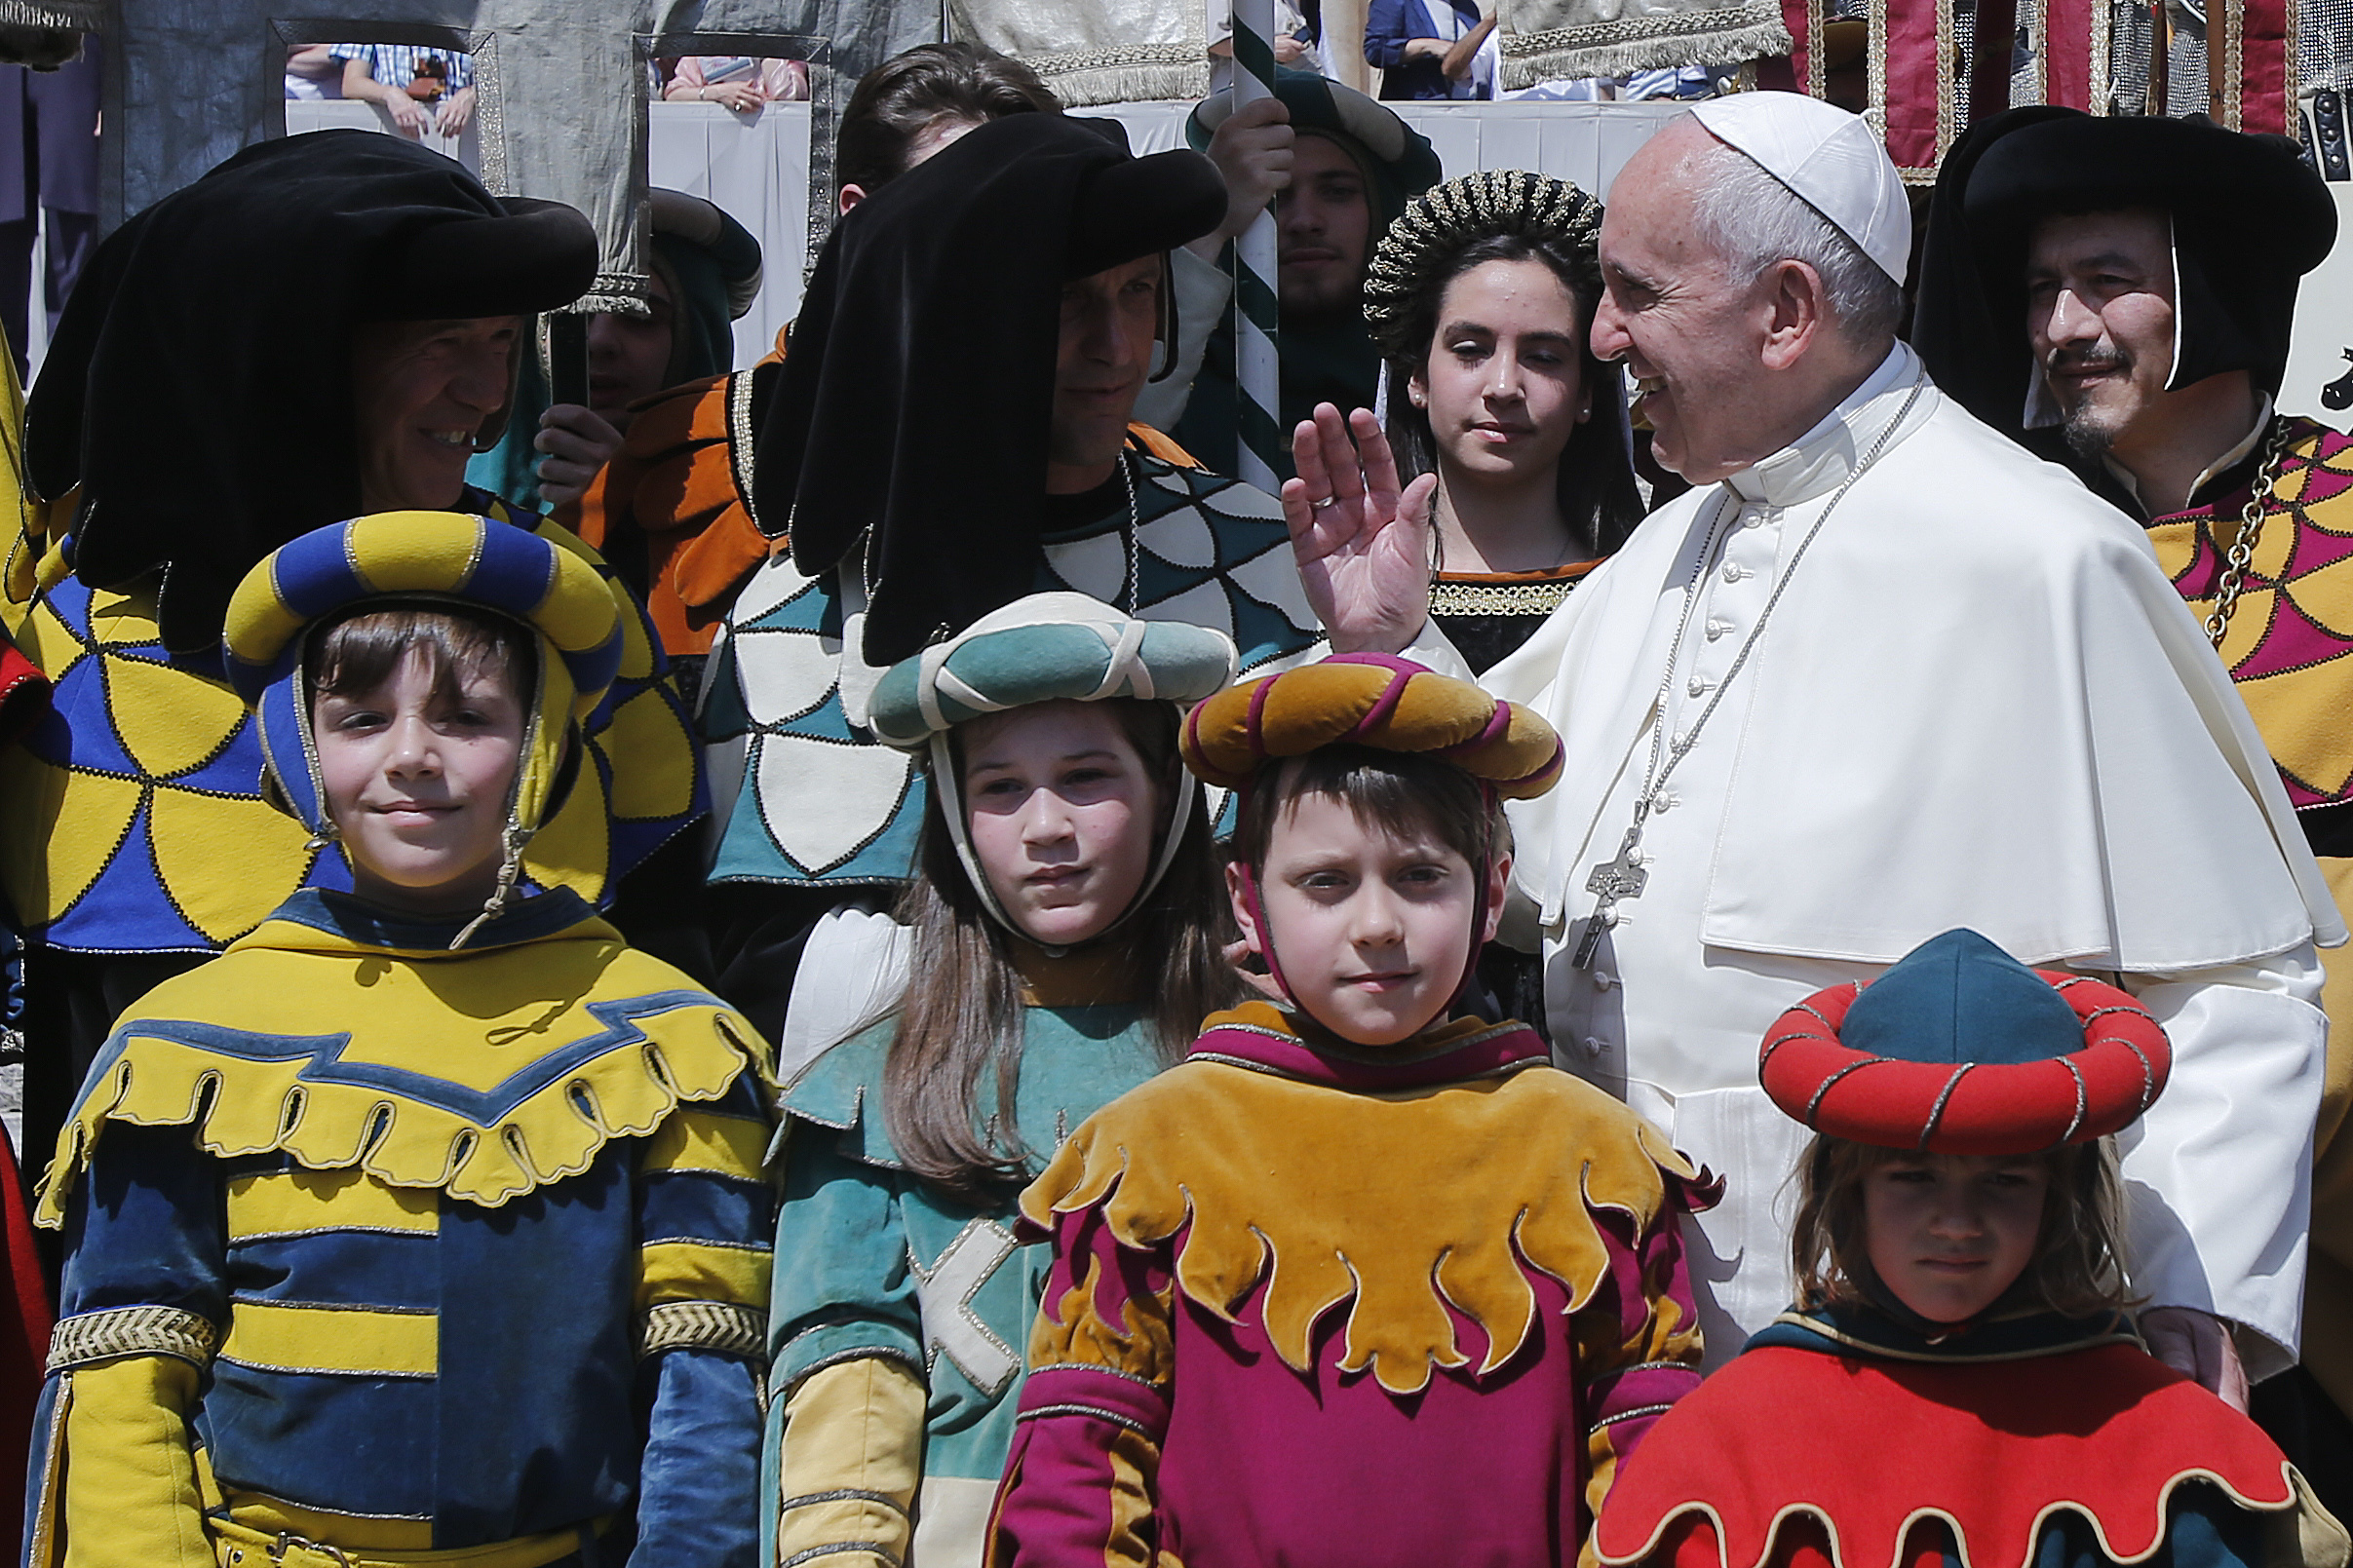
1257	316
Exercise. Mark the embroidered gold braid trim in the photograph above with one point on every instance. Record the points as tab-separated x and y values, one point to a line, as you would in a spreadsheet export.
705	1325
1498	598
103	1336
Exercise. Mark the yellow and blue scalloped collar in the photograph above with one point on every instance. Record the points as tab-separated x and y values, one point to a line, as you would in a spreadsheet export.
344	1036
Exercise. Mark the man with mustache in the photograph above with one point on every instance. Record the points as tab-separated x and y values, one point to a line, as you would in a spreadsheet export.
2117	294
1881	674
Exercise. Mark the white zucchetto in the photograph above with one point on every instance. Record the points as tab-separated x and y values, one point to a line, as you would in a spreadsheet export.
1828	157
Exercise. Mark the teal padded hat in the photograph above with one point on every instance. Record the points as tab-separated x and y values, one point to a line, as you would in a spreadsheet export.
1960	1048
1045	648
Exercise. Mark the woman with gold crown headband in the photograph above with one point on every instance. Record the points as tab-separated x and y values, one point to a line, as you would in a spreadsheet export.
1480	298
426	1224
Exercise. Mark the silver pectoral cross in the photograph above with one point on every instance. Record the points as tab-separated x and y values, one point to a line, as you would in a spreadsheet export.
1610	881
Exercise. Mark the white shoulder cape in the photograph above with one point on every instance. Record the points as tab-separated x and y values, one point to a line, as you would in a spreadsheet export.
1978	703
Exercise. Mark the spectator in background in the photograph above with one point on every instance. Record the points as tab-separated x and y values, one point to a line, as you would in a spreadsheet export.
1294	42
313	73
738	82
1352	166
1432	48
49	166
419	88
671	500
703	271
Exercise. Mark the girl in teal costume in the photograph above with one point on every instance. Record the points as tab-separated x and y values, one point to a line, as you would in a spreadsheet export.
1066	941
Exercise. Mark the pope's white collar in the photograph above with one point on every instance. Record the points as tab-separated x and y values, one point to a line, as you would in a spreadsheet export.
1819	460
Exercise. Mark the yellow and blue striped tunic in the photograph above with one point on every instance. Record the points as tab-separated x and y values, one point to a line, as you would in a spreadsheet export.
396	1293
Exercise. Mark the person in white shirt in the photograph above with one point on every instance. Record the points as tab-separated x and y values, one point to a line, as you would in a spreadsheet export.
1880	674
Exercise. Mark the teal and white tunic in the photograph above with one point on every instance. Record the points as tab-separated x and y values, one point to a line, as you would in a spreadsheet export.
823	804
873	1263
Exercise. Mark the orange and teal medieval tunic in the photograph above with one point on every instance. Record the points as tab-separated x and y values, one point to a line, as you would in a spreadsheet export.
1840	1438
1314	1306
381	1254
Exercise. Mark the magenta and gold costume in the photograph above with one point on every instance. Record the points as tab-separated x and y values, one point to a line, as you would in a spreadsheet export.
1304	1294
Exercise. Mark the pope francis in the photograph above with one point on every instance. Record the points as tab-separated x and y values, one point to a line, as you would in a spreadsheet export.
1879	675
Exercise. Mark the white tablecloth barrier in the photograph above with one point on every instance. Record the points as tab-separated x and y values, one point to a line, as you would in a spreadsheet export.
757	165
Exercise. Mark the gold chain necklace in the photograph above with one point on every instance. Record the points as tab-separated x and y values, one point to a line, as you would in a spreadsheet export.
2251	526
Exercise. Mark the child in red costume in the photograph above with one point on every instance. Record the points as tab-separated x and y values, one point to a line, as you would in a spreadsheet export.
1958	1380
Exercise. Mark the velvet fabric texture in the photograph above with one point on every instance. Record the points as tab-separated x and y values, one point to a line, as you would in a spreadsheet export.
2250	219
1161	1165
1812	1433
958	266
1372	699
1959	1049
199	387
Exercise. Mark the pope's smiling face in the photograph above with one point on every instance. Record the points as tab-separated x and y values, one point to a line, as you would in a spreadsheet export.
422	392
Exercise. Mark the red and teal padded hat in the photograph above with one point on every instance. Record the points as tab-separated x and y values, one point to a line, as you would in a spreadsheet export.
1960	1048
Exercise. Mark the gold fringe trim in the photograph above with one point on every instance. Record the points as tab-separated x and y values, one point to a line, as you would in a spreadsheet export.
1275	1178
1725	35
242	1108
103	1336
1135	73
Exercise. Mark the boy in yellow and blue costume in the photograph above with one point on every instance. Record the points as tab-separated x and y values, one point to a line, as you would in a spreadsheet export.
398	1238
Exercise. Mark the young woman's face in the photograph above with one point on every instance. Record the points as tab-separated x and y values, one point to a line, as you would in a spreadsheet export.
417	786
1948	1233
1061	812
1504	386
1369	929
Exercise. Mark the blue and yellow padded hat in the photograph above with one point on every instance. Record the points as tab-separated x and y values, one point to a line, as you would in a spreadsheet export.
423	560
1046	647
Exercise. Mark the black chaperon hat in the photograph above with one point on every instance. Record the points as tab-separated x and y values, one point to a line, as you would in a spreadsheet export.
199	386
915	398
2249	218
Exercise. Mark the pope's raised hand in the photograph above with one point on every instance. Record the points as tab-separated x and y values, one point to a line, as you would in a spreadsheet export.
1363	546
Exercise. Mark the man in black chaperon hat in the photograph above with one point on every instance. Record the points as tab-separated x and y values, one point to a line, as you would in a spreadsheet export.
2117	294
324	326
953	430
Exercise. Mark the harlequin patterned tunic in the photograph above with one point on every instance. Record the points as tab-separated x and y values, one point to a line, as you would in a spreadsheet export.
134	819
2290	636
823	804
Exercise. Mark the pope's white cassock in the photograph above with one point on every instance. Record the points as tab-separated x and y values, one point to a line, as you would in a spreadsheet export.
1977	703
